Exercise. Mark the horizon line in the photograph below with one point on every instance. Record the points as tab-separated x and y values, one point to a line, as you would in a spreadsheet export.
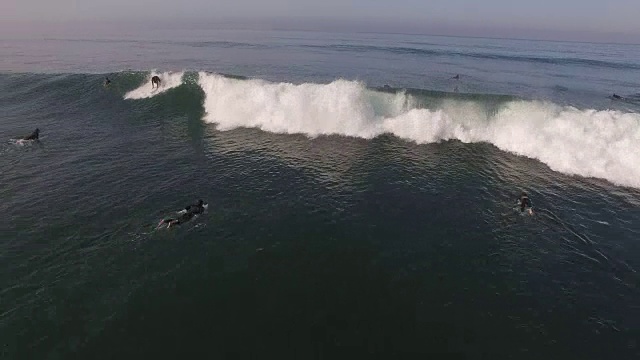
359	26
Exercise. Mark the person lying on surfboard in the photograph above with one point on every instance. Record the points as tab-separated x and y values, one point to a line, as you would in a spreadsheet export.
184	215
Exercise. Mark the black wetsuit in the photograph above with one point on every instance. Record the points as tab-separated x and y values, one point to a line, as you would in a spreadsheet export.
194	209
155	81
190	212
524	202
34	135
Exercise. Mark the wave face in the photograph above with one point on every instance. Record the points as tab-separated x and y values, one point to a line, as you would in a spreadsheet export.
603	144
169	80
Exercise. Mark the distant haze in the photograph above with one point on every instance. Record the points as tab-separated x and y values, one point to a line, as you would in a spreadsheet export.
607	20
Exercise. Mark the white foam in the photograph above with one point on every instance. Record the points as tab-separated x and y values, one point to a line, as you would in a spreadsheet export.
169	80
21	142
590	143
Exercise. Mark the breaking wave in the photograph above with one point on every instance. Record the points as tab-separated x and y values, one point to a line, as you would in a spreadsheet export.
603	144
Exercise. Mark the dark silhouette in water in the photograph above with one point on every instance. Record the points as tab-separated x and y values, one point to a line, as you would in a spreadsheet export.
35	135
184	215
155	81
525	203
457	77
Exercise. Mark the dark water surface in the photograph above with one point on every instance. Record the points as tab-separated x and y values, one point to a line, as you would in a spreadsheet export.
343	221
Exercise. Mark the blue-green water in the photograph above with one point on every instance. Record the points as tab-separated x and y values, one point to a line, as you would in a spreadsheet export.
346	220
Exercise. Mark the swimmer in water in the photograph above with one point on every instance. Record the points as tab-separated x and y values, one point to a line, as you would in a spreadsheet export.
35	135
525	203
184	215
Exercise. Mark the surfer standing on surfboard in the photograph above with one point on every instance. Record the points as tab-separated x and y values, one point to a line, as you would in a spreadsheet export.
155	80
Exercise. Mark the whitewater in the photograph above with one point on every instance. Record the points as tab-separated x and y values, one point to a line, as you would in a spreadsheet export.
362	195
169	80
602	144
590	143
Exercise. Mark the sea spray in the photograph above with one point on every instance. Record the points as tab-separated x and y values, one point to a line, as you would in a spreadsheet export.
603	144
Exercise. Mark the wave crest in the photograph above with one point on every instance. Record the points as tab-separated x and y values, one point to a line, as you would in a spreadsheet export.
590	143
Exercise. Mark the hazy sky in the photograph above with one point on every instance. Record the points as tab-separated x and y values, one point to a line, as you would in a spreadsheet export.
546	16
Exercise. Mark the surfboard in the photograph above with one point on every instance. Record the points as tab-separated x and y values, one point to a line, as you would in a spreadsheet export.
21	142
526	212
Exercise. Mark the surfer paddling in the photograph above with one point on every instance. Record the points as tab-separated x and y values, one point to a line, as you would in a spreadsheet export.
155	80
184	215
35	135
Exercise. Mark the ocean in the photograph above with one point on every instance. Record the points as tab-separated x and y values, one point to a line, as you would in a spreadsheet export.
362	199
